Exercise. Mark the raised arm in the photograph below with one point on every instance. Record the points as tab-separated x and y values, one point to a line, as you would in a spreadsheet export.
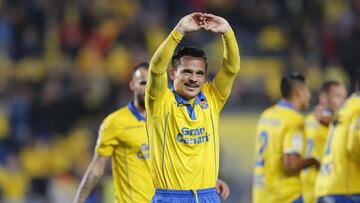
231	58
157	81
92	176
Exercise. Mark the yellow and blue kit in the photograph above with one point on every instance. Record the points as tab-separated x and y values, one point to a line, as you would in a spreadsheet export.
339	176
123	136
316	134
280	131
354	137
184	140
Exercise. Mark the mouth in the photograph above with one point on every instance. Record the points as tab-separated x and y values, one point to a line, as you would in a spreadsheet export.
191	87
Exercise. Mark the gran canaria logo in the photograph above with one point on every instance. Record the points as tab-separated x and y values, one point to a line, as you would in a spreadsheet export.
192	136
143	153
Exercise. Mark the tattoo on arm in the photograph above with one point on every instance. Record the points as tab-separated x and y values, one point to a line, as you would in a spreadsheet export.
91	178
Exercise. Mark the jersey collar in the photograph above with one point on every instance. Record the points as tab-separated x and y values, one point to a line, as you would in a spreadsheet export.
135	112
285	104
200	97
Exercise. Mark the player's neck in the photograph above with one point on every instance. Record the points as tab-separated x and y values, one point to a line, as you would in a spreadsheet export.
296	105
140	108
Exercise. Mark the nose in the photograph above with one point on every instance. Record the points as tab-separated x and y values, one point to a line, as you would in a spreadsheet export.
193	78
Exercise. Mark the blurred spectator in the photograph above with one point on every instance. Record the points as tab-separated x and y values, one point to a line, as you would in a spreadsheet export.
13	181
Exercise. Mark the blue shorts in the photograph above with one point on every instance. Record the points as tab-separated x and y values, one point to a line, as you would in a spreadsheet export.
339	199
298	200
186	196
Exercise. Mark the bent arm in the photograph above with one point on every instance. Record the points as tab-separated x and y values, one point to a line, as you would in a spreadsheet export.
157	80
294	163
92	176
231	64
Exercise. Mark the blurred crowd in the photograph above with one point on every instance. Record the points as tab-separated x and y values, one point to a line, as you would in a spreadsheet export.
65	64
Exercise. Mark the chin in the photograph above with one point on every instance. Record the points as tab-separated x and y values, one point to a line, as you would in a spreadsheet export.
191	95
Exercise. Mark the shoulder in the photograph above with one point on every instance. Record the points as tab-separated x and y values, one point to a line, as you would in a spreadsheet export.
270	111
118	116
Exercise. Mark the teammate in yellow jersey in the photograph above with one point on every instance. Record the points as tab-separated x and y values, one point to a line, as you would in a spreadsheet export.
122	136
339	178
354	137
279	145
182	122
332	95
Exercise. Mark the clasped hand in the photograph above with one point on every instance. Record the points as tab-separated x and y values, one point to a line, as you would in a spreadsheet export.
196	21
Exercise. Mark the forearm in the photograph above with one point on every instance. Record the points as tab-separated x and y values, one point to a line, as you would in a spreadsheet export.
294	167
89	181
231	64
157	78
86	186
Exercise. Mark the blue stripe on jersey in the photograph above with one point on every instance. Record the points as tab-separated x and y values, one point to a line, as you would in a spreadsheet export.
286	104
190	109
135	112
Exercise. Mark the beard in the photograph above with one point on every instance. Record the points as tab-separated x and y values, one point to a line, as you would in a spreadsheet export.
141	100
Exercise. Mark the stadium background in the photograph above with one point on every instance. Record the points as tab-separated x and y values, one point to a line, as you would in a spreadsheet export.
64	65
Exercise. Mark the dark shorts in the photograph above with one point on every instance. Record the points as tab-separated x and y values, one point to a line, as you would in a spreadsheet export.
339	199
186	196
298	200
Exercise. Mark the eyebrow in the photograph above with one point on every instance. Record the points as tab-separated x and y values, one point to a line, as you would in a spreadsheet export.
188	70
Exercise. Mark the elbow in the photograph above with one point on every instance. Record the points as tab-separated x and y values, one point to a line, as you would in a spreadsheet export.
291	166
152	67
232	69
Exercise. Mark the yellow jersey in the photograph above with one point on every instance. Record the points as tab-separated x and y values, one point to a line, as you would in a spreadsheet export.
279	132
122	135
354	137
316	134
184	140
339	173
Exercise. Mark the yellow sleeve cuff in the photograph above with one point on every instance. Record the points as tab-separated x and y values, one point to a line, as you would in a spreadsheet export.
177	35
229	34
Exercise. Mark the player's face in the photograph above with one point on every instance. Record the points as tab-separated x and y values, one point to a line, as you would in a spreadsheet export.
138	85
336	97
189	77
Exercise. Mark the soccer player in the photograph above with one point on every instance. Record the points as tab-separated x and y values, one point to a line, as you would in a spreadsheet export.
182	122
122	137
332	95
279	145
339	178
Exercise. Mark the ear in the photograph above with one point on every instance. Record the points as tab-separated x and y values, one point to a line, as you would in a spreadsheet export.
172	74
131	85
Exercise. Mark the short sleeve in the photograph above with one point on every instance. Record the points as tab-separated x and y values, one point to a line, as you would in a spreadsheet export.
293	142
107	138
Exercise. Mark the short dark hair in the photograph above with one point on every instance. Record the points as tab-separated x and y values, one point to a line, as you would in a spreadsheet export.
144	65
288	83
326	86
187	51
